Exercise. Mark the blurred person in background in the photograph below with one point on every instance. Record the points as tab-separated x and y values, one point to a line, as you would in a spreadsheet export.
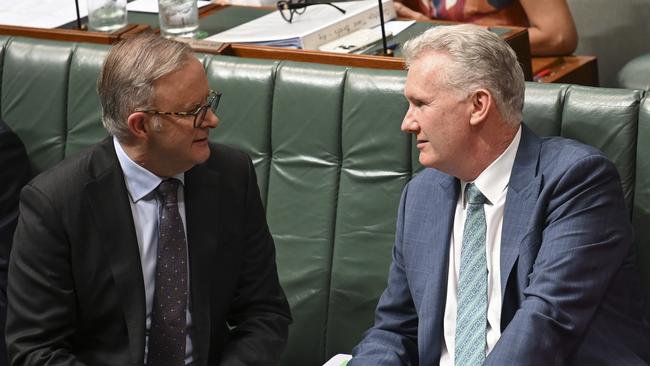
551	29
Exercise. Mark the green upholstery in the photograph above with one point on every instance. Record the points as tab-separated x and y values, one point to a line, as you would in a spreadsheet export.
318	155
636	73
330	157
245	109
34	88
83	107
641	211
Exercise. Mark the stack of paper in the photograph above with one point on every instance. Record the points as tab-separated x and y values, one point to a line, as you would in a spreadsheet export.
40	13
318	25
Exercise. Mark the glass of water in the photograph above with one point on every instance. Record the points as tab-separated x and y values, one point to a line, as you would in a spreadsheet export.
178	18
106	15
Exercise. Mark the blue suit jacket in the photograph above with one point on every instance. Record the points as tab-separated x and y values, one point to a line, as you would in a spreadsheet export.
569	289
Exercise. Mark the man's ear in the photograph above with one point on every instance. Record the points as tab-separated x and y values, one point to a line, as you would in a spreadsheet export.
482	102
138	125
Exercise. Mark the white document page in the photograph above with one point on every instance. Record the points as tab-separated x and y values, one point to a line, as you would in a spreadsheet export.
40	13
396	26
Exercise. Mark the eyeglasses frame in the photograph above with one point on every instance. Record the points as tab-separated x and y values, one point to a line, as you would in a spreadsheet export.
300	7
213	103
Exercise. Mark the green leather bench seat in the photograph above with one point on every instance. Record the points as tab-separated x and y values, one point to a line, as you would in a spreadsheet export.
330	157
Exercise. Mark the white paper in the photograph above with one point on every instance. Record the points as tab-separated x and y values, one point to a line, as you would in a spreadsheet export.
151	6
40	13
338	360
396	26
272	27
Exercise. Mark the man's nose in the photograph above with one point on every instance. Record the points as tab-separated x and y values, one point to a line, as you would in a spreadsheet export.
211	119
408	123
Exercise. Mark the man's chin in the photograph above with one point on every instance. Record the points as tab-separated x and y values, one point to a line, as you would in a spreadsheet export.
203	156
427	161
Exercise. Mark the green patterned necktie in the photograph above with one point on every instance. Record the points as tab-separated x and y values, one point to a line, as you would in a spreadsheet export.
471	315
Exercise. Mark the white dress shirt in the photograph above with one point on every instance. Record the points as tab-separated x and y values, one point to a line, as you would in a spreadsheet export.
493	183
141	185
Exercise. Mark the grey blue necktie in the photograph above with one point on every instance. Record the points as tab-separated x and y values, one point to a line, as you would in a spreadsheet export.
471	315
167	333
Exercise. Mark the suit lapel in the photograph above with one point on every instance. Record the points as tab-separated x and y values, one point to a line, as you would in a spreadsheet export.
201	208
523	191
440	222
106	199
441	233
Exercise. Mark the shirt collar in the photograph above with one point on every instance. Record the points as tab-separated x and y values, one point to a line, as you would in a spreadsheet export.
139	181
493	181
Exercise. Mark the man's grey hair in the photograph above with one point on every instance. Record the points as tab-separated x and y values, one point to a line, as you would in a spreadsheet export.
129	72
480	59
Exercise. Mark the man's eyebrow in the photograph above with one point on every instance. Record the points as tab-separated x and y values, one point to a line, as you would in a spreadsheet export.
414	98
195	105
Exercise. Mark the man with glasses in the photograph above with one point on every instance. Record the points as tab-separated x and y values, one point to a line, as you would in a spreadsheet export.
151	248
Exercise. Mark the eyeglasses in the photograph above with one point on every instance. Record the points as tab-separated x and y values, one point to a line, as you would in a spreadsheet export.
288	8
199	113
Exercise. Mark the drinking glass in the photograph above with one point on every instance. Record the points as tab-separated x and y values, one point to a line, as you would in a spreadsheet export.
106	15
178	18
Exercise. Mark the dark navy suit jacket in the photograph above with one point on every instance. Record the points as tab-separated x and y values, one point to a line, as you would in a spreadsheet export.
15	171
569	288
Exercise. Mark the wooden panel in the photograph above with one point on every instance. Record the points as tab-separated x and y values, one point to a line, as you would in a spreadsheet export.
582	70
516	37
73	35
274	53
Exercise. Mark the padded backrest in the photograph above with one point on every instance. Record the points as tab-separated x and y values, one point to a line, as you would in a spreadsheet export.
330	157
3	43
49	96
83	107
601	117
375	166
245	108
33	101
323	139
641	212
606	119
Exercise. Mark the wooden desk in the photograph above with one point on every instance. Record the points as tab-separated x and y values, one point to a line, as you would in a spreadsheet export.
217	18
368	61
68	32
214	18
74	35
582	70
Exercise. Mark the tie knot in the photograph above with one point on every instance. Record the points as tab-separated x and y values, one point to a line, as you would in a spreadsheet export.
473	195
168	189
